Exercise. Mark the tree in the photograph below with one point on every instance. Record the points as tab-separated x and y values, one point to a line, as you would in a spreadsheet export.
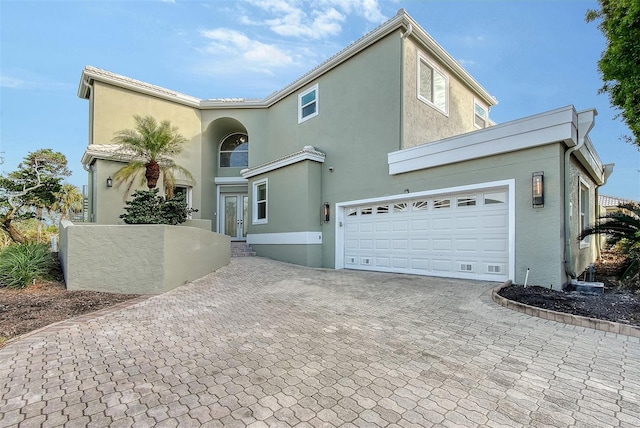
620	63
622	229
30	188
68	201
151	145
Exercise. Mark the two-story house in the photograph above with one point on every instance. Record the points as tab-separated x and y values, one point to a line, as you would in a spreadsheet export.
383	158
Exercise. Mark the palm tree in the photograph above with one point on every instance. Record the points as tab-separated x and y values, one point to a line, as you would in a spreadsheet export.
69	200
620	227
151	145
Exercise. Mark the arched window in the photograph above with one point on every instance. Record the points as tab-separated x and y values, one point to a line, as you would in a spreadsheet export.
234	150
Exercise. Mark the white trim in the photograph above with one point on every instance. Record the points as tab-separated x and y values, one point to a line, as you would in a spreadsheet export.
545	128
510	184
230	180
423	58
254	205
285	238
316	100
307	153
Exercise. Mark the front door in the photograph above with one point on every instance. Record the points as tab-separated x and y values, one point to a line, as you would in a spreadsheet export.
235	212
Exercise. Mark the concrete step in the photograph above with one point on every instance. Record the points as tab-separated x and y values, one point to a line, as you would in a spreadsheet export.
241	249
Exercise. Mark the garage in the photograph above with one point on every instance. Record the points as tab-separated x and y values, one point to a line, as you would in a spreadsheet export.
458	235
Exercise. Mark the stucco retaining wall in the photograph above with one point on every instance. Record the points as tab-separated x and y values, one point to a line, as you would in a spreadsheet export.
142	259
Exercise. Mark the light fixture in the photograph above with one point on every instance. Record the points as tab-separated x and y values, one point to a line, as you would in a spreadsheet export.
537	189
326	212
109	182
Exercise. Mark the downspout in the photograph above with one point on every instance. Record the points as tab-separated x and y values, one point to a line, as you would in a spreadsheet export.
403	37
586	121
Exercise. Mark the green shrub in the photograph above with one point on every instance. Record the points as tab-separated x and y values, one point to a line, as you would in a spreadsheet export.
147	207
21	265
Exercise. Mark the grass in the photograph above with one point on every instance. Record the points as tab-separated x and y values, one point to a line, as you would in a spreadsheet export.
21	265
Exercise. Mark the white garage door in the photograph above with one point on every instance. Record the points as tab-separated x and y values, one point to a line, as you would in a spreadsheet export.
453	235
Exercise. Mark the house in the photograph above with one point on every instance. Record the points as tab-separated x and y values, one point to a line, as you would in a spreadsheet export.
382	158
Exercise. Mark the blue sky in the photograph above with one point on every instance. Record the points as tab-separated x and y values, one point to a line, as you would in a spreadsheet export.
533	56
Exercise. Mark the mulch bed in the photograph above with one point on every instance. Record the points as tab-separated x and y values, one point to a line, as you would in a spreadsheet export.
44	303
613	305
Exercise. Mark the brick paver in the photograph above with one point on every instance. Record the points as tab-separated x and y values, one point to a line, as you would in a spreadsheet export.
261	343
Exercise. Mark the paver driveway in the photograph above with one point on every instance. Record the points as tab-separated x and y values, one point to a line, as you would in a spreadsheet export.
263	343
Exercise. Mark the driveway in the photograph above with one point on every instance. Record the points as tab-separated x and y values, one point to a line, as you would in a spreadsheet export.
263	343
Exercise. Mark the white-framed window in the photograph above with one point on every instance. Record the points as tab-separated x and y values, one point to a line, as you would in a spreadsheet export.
260	197
583	205
188	195
308	104
480	115
234	151
433	85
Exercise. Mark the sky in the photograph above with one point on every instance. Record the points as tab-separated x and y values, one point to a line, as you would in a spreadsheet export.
533	56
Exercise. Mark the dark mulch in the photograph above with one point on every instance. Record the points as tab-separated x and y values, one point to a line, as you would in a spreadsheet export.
44	303
613	305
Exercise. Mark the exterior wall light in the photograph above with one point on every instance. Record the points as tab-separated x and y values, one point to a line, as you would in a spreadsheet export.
326	212
537	190
109	182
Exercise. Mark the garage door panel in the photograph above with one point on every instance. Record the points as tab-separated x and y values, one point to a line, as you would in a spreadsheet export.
441	224
439	235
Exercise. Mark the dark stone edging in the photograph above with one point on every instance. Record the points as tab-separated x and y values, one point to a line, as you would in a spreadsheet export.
597	324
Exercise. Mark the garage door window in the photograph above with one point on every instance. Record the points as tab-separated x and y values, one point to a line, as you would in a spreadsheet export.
382	209
366	211
400	207
352	212
467	201
420	205
441	203
495	198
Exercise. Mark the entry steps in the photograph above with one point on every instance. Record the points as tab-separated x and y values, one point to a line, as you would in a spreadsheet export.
241	249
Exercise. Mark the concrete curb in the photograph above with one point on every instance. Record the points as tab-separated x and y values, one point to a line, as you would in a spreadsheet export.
597	324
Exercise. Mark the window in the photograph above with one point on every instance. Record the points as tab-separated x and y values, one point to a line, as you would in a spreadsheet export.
466	201
480	115
308	104
234	151
441	203
433	85
260	202
495	198
187	192
583	203
420	205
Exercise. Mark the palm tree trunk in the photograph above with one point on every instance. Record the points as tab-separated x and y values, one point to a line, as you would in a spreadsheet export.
152	174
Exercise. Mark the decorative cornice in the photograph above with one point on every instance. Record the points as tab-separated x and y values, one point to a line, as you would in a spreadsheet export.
307	153
112	152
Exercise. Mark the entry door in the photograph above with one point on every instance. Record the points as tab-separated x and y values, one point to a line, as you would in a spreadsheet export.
235	213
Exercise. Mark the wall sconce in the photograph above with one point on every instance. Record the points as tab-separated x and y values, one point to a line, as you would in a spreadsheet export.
537	190
109	182
326	212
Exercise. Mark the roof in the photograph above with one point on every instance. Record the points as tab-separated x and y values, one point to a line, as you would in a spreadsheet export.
610	201
402	21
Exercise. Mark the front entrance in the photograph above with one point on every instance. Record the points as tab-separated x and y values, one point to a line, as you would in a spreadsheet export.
235	208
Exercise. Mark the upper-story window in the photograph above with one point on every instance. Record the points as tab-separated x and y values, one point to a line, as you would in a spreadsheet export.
433	85
234	150
480	115
308	104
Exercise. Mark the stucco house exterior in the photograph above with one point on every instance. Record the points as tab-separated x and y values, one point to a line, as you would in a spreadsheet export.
381	158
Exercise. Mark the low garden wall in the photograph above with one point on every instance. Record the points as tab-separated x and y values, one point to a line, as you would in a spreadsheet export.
140	259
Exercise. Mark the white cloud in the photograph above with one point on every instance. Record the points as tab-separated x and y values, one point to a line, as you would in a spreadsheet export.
234	43
312	19
30	82
466	62
12	82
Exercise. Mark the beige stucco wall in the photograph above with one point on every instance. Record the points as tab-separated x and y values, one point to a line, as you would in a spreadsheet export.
113	109
142	259
423	123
